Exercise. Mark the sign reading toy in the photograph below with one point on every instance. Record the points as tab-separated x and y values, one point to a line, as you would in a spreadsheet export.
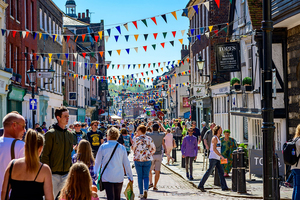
228	57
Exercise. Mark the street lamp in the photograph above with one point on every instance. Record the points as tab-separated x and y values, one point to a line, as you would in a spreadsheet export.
200	62
108	101
32	78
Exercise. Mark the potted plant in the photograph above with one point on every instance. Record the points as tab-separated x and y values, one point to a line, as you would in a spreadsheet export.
247	83
235	83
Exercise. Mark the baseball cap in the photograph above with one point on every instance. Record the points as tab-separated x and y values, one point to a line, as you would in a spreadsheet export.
203	123
77	123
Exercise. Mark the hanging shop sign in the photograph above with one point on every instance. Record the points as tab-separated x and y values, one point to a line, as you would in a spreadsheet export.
72	95
103	85
186	102
228	57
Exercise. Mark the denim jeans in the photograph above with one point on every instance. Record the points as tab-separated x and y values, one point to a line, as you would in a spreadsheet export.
296	191
212	164
142	170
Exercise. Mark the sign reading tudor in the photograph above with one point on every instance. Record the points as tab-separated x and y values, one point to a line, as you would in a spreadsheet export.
228	57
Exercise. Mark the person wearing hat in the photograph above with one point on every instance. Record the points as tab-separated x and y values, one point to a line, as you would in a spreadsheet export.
78	132
204	129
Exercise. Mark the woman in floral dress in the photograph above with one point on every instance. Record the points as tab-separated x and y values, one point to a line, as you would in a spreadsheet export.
143	148
228	145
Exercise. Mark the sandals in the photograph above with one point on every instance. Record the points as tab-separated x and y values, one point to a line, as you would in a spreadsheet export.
150	186
155	189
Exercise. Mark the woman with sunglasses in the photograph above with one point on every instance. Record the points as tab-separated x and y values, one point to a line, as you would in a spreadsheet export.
214	160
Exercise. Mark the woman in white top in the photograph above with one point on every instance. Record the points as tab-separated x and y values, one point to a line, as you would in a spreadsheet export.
296	168
214	160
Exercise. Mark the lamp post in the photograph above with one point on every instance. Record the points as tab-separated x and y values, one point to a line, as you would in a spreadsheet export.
32	77
269	161
108	102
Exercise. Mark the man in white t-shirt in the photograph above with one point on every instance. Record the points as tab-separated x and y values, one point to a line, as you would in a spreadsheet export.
14	128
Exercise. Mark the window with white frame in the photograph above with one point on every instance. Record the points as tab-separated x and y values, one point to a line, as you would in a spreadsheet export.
25	14
17	10
50	30
206	25
45	22
53	27
250	62
242	13
59	32
257	135
10	56
26	65
42	67
41	18
203	14
11	10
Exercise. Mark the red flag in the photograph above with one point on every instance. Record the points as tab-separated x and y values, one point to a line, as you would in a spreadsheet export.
96	38
74	63
154	20
68	37
216	32
152	71
218	3
145	48
83	36
14	33
142	73
135	24
84	54
149	64
118	66
174	33
163	44
159	64
155	35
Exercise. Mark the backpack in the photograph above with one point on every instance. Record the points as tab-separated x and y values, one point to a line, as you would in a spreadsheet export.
289	152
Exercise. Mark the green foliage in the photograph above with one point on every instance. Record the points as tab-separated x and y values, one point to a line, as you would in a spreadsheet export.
247	80
245	148
235	80
65	103
133	89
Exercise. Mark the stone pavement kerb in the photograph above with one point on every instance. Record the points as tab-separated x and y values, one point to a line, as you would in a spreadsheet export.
254	186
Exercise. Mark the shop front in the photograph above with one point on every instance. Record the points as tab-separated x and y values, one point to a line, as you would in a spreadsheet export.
81	115
15	97
4	83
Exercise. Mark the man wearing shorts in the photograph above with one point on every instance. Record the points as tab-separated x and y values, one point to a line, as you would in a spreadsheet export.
158	139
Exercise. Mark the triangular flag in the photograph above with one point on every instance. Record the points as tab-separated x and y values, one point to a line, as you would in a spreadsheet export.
84	54
145	22
199	37
216	32
96	37
164	17
218	3
108	31
58	55
62	62
75	55
101	53
100	34
154	20
207	5
210	28
139	65
145	48
149	64
126	26
127	50
135	24
136	49
119	29
186	12
146	36
174	33
126	37
207	34
155	35
34	35
83	37
110	52
119	51
67	55
27	33
67	38
162	69
144	65
164	34
181	41
136	37
116	37
225	29
201	30
196	8
107	66
154	46
14	33
106	38
174	14
23	34
4	31
172	43
192	31
163	44
182	32
40	35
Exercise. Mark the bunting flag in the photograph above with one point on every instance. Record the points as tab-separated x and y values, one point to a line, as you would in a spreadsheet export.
4	31
164	17
84	54
135	24
145	48
196	8
145	22
216	32
192	31
207	34
174	14
127	50
50	57
172	43
225	29
75	55
163	44
108	31
101	53
119	51
146	36
126	26
106	38
107	66
83	37
96	37
136	37
119	29
139	65
218	3
174	33
155	35
126	37
186	12
210	28
182	32
201	30
136	49
116	37
40	35
110	52
62	62
164	34
162	69
154	46
199	37
181	41
100	34
154	20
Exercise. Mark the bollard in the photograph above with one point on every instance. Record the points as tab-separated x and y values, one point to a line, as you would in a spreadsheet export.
182	162
174	154
241	176
234	171
217	178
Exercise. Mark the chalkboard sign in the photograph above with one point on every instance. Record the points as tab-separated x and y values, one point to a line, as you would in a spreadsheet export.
228	57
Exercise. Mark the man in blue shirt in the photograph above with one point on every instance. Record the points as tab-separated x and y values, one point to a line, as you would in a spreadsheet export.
196	131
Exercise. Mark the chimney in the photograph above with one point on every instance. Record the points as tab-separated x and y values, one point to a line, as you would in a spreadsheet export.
87	13
185	47
83	15
79	15
182	46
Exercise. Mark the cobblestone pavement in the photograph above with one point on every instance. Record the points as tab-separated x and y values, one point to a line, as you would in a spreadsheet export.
171	186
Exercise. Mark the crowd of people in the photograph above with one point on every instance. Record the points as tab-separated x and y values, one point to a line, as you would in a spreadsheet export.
71	162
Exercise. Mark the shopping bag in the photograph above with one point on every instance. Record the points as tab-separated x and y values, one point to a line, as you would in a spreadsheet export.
224	161
129	191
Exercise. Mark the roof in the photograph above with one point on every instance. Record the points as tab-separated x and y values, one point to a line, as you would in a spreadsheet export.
255	9
71	2
70	21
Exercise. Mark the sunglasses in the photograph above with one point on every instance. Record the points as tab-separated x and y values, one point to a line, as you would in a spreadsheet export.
22	125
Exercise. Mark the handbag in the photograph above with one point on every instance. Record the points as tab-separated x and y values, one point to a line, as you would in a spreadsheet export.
9	179
100	185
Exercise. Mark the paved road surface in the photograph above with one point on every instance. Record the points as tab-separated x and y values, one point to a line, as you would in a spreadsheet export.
171	186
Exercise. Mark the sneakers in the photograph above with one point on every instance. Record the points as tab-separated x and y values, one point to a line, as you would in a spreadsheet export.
145	194
187	175
141	196
202	189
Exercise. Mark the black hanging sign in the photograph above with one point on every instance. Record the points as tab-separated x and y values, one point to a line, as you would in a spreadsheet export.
228	57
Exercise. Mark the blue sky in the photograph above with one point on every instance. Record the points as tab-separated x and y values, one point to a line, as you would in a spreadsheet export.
118	12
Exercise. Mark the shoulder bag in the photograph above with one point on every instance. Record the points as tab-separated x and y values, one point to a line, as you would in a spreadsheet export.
9	179
100	185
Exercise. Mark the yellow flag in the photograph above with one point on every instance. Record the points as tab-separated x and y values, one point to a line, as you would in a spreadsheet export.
100	34
74	75
181	41
178	62
175	75
110	81
122	76
183	83
97	66
40	35
119	51
55	37
136	37
174	14
154	86
50	57
162	69
210	28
